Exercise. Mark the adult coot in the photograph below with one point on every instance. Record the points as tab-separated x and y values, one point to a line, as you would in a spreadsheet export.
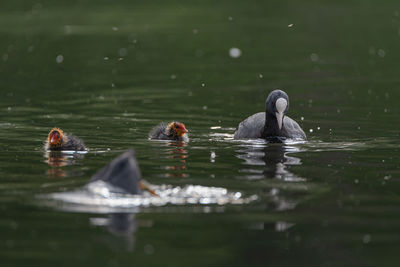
273	124
123	172
58	141
171	131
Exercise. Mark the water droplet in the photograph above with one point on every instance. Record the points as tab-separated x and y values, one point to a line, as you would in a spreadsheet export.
203	85
356	181
212	156
366	239
385	110
9	109
30	49
122	52
260	76
314	57
59	59
230	18
302	118
290	25
274	191
205	107
173	77
195	31
235	52
318	128
106	58
387	177
381	53
311	130
114	28
338	111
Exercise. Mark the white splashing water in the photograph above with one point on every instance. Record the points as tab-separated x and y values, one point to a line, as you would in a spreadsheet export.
102	194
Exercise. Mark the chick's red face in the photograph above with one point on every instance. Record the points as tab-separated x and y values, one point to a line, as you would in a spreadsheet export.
180	128
55	138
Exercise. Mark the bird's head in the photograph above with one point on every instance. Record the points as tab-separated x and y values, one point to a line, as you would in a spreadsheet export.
177	129
55	137
277	104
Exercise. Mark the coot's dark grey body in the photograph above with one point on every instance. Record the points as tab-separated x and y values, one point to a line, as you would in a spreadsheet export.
123	172
266	124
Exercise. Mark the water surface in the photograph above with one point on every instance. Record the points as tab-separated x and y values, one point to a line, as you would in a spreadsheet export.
109	72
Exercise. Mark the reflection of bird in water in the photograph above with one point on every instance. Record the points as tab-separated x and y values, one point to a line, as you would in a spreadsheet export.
275	159
122	225
176	150
58	159
275	163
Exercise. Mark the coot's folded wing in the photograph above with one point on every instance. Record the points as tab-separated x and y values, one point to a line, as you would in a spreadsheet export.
293	129
251	127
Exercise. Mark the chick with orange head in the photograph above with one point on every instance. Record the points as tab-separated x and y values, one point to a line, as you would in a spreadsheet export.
57	140
170	131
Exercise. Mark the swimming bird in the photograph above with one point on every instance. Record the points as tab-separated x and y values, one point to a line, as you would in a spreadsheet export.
58	141
273	124
123	173
171	131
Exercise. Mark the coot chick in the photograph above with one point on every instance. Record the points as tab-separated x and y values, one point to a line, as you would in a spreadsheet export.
58	141
123	172
171	131
273	124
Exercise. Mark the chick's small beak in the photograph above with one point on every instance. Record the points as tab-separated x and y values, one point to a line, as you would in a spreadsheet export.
184	130
181	131
52	140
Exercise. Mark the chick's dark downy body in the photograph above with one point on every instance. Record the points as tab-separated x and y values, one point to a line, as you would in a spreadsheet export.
169	131
58	141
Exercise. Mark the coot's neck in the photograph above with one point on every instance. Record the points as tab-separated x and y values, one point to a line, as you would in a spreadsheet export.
271	128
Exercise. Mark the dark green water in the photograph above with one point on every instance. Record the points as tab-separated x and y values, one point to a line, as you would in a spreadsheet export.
124	66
